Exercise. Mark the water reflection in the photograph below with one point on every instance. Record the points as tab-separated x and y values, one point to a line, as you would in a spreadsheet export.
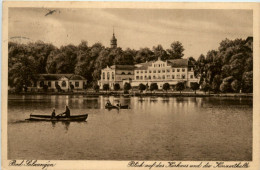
168	126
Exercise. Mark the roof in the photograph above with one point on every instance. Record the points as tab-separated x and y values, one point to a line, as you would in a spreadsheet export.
59	76
178	62
123	67
143	66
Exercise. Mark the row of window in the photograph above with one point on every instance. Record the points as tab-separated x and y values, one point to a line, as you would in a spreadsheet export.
108	75
160	71
63	83
159	77
159	65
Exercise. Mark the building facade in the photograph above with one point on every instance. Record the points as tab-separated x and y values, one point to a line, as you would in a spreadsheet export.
160	72
116	74
63	80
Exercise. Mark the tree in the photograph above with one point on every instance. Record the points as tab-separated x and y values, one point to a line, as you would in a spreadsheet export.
216	83
22	72
96	88
205	87
143	55
141	87
106	87
127	86
58	87
225	87
71	87
235	86
159	52
247	82
176	51
153	86
180	86
116	87
45	88
166	86
194	86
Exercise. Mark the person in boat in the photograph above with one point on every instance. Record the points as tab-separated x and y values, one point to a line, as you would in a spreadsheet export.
118	104
67	111
53	114
109	103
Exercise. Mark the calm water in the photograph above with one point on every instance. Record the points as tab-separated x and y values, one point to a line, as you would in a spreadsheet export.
153	129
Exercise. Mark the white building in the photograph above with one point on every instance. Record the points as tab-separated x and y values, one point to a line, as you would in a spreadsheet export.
63	80
160	72
119	74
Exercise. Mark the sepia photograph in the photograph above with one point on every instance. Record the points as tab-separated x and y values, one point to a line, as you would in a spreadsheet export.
123	83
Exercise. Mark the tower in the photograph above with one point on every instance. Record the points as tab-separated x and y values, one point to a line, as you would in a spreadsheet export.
113	41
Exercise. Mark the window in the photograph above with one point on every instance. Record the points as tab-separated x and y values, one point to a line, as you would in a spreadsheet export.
76	84
159	71
104	76
108	75
168	71
183	76
56	83
141	77
163	76
141	71
137	71
183	70
149	77
168	76
178	70
41	84
145	77
129	73
191	76
137	77
150	71
63	84
163	71
178	76
173	70
49	83
112	75
154	71
145	71
154	77
173	77
123	73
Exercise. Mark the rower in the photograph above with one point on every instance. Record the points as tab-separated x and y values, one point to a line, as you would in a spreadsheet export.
67	112
53	113
108	103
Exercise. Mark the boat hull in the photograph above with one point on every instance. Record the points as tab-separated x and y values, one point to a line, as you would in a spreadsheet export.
117	107
75	118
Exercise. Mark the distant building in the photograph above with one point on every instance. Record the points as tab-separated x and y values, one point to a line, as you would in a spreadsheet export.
160	72
116	74
63	80
113	41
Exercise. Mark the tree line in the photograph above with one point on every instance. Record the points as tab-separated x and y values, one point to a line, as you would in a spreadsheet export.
26	61
228	69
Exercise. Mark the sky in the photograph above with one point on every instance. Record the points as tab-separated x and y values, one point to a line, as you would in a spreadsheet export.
199	30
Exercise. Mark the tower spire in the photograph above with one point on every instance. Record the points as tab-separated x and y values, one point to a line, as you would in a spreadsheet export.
113	41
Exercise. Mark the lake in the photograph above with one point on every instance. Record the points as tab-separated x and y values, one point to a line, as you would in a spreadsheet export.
188	128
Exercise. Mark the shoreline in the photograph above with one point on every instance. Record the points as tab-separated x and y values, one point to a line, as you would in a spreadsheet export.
138	94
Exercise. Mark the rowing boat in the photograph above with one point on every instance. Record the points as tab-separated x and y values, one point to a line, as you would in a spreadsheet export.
117	107
58	118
